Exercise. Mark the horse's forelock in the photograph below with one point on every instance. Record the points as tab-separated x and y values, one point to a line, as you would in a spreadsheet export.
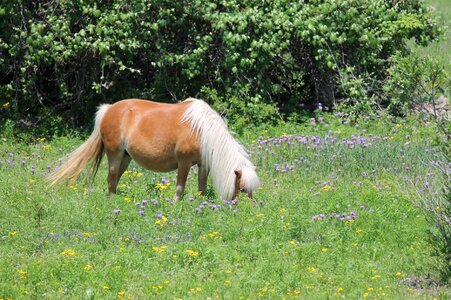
250	179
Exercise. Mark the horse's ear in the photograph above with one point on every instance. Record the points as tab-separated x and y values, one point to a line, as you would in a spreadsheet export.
238	173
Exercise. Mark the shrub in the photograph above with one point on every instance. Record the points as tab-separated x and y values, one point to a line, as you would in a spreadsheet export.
69	56
415	81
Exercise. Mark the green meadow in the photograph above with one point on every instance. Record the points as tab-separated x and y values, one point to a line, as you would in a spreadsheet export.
335	217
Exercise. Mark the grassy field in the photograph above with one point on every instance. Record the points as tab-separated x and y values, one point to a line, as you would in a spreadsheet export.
334	218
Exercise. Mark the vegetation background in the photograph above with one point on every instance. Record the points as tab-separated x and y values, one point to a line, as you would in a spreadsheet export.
64	58
329	98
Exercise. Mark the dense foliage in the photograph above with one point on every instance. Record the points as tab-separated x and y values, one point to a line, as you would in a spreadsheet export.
68	56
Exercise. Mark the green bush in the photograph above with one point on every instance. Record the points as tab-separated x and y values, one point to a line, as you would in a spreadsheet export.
69	56
415	81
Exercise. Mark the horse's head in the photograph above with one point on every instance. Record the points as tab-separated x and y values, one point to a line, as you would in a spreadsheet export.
246	180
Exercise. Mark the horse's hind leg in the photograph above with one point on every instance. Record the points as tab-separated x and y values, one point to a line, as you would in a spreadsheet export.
117	164
124	165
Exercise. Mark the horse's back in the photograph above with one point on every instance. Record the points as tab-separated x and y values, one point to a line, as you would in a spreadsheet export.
151	132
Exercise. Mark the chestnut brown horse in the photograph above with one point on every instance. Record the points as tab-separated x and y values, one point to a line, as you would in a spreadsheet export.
163	137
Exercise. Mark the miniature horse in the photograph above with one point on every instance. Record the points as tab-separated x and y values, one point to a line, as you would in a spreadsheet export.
163	137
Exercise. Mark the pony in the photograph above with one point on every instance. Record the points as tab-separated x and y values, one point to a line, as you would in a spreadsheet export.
163	137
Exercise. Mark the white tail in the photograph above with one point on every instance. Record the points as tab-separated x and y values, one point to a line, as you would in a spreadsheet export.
89	151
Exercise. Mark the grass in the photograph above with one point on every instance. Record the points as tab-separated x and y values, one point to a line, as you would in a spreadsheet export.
332	220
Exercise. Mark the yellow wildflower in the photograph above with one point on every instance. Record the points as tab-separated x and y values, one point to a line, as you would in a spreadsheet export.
6	105
192	253
326	188
195	290
294	293
22	274
68	252
160	249
161	221
214	235
311	269
88	267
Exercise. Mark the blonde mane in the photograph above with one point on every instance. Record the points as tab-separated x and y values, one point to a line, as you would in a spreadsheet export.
221	153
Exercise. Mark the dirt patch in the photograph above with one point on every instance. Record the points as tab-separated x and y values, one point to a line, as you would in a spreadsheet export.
420	282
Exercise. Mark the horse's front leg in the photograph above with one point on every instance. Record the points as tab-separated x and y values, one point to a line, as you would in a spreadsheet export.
202	179
182	175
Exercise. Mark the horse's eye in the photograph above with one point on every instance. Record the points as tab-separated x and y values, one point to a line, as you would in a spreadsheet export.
242	190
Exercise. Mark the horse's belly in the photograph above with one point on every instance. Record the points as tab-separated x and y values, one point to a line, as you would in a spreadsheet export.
155	160
157	164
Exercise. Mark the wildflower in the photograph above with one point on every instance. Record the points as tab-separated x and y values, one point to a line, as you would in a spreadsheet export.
214	235
326	188
160	249
340	290
6	105
162	220
12	233
121	295
294	293
359	231
294	242
68	252
22	274
192	253
311	269
324	250
87	267
157	287
195	290
400	275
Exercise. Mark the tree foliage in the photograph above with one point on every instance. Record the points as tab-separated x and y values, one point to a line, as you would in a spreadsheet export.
69	56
